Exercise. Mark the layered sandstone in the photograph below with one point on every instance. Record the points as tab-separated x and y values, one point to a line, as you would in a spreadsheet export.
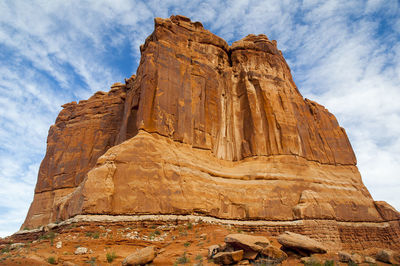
81	134
205	129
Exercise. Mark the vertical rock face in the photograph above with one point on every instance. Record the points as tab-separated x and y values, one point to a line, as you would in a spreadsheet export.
82	133
237	101
207	129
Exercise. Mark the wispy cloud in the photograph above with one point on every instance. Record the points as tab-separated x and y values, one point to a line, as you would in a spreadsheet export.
344	54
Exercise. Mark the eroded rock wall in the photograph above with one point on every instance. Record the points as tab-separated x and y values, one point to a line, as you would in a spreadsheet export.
150	174
237	101
81	134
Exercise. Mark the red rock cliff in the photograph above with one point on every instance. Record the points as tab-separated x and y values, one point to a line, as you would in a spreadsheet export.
207	129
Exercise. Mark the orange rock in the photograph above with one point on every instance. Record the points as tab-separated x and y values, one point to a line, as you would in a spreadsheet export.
300	242
387	212
141	257
208	129
251	245
388	256
237	101
274	253
81	134
228	258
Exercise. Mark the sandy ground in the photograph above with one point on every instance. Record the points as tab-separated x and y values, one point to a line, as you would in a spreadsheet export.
175	243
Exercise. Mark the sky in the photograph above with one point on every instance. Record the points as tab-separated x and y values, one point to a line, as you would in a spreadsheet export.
343	54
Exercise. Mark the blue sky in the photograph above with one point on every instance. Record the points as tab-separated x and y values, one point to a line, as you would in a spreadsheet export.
343	54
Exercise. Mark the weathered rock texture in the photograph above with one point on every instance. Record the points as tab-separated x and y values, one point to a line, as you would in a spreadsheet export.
209	129
82	133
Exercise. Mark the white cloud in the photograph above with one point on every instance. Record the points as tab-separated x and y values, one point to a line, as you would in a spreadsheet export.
59	52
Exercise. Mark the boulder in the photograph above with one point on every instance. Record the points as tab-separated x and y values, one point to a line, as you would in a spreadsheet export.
344	256
388	256
357	258
16	245
80	251
250	244
212	250
68	263
141	256
370	260
274	253
301	243
227	258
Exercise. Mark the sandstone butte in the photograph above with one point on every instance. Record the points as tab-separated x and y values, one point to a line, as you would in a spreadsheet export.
213	131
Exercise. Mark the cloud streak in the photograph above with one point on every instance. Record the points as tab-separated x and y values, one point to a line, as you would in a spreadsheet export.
343	54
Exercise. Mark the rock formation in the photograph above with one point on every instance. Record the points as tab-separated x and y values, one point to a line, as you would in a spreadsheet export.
211	130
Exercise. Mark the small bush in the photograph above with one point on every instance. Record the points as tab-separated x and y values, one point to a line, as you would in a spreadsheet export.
352	263
199	257
329	263
111	257
94	235
190	226
183	233
51	260
5	249
183	259
157	232
92	261
187	244
49	235
313	262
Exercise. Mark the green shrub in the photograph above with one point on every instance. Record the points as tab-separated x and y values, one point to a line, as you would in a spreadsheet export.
6	249
199	257
111	257
92	261
352	263
313	262
51	260
183	259
189	226
329	263
187	244
94	235
183	233
49	235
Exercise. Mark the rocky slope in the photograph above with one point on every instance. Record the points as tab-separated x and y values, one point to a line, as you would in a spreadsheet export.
211	130
176	242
